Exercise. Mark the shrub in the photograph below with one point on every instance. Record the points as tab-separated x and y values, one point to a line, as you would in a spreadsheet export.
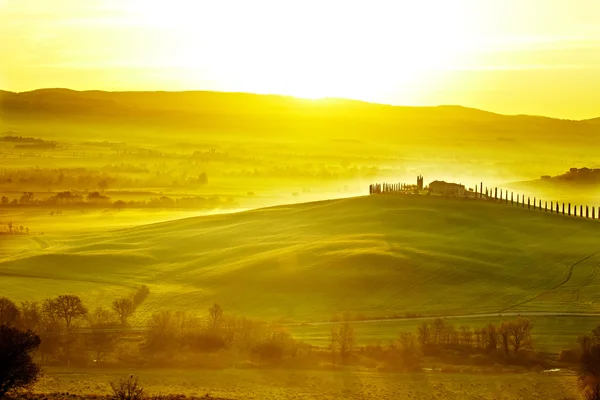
128	389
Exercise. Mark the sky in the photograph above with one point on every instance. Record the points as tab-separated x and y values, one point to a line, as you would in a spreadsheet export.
537	57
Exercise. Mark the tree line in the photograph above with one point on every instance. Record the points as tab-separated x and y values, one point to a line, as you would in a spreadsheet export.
64	331
101	200
117	176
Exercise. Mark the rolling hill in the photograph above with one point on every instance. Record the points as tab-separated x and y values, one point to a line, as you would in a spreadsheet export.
225	112
377	256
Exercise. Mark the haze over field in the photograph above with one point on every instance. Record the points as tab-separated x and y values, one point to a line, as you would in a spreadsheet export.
300	200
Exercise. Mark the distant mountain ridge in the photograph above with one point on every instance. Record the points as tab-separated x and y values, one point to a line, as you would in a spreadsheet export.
57	99
191	116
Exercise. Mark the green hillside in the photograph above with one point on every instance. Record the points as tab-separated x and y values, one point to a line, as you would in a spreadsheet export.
377	256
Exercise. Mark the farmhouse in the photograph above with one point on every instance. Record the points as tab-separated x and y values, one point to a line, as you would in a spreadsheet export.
447	189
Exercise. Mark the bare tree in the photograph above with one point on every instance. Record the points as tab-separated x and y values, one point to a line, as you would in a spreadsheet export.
160	329
215	316
490	334
343	337
124	308
504	334
9	313
437	330
51	331
101	317
100	341
466	336
424	334
478	338
409	350
31	316
520	334
67	307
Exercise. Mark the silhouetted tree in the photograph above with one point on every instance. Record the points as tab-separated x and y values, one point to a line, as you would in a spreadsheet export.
30	315
140	295
17	369
160	330
437	329
466	336
408	349
67	307
343	338
589	371
101	317
26	198
491	337
100	341
9	313
504	334
424	335
520	334
124	308
215	316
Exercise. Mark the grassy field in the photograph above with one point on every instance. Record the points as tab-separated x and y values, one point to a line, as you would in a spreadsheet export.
369	256
551	334
347	384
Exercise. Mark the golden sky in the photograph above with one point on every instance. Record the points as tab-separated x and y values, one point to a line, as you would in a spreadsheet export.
509	56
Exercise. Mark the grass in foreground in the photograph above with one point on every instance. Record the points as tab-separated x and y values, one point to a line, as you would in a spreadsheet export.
280	384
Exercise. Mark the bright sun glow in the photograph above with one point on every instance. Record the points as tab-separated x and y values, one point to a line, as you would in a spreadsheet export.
311	50
469	52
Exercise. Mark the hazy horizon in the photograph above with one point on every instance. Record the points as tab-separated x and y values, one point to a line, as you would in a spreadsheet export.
510	57
325	98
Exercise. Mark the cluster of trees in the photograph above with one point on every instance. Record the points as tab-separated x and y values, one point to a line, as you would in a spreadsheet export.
513	337
580	175
119	176
12	229
98	199
24	139
68	331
